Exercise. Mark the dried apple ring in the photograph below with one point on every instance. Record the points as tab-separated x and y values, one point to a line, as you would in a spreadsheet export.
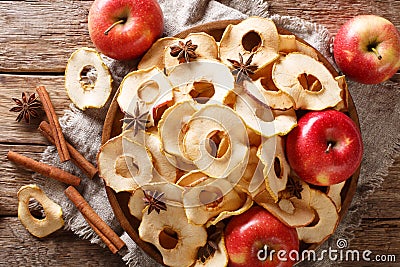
124	164
255	35
200	146
87	79
202	81
287	74
208	199
149	87
53	213
172	234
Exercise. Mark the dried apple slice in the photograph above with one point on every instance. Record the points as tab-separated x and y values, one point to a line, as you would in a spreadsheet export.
172	234
192	178
149	87
343	105
203	81
289	69
154	57
208	199
227	214
53	213
289	44
172	128
262	90
255	35
328	219
203	148
272	154
293	212
334	194
206	48
172	194
261	119
124	164
87	79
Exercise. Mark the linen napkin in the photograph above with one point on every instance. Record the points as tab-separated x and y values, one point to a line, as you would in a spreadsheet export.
377	106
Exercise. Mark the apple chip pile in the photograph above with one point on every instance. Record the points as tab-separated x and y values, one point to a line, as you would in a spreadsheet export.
203	139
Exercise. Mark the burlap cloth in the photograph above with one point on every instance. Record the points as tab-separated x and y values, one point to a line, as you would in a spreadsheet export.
378	109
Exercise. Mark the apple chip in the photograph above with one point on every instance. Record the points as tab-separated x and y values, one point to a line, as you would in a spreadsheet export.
203	45
343	105
292	211
261	119
208	199
289	44
226	214
328	219
53	214
265	91
163	166
256	36
176	239
216	140
289	74
202	81
154	57
272	154
192	178
334	194
147	87
172	127
87	79
124	164
171	194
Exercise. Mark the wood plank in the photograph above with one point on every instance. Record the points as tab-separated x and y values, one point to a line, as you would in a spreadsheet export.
61	27
332	14
62	248
13	86
40	35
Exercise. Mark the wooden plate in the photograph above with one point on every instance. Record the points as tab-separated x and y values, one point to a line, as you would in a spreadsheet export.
112	128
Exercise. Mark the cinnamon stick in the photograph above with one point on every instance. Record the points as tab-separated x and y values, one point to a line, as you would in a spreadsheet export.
76	157
59	139
44	169
105	239
88	212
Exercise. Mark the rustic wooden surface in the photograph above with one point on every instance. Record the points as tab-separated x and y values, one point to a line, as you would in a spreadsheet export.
36	40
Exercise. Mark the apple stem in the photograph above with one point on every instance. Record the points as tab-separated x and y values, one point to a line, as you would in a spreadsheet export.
113	25
329	148
376	53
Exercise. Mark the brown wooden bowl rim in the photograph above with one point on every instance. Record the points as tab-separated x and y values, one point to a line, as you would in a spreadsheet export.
130	224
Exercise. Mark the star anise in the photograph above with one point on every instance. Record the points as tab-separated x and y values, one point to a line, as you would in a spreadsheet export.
214	237
153	200
26	107
242	69
184	51
294	187
137	120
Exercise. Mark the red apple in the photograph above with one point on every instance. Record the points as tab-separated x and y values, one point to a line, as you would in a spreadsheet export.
255	237
367	49
125	29
325	148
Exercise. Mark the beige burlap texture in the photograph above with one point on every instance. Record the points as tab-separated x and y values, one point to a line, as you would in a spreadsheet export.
377	106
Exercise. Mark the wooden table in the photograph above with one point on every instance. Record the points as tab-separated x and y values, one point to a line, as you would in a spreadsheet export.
36	39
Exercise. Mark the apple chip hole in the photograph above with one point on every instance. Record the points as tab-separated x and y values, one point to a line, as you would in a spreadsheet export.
168	238
268	84
36	209
217	143
148	91
309	82
251	41
88	77
126	166
202	91
211	197
278	168
159	110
